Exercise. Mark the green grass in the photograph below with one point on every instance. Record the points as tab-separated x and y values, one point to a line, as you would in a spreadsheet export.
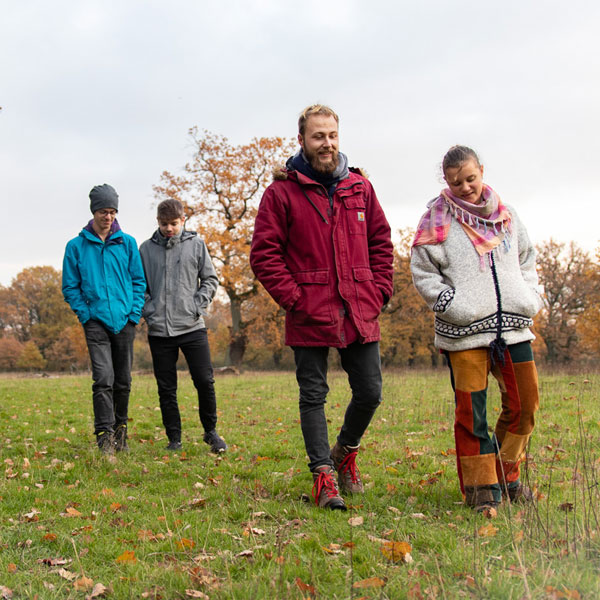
240	526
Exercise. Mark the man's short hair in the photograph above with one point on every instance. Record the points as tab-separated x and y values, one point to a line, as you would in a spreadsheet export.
315	109
169	210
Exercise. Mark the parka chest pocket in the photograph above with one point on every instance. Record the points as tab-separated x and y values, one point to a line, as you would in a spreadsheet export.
356	215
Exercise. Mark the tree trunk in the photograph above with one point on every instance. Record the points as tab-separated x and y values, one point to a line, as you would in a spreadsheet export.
238	338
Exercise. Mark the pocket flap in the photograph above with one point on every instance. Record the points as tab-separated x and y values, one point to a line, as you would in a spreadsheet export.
321	276
351	202
363	274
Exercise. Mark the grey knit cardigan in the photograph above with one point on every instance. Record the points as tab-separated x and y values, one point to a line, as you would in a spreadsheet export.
462	293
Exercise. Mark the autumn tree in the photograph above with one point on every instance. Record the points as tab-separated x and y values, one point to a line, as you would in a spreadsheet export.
266	327
10	350
407	323
220	188
33	308
588	324
31	358
69	350
571	283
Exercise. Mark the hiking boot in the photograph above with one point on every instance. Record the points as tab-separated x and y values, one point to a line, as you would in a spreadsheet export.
344	461
215	441
325	491
106	442
519	493
480	498
174	446
121	439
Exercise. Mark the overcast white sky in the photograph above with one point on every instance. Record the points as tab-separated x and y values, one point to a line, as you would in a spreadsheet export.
96	91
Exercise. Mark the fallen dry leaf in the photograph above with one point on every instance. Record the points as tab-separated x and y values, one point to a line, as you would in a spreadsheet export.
11	568
71	512
197	502
305	587
49	537
371	582
115	506
487	530
184	543
83	583
396	551
196	594
414	593
68	575
31	517
355	521
203	576
127	557
489	513
98	591
53	562
5	593
519	536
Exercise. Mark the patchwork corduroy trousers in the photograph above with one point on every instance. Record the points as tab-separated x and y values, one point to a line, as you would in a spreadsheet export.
492	462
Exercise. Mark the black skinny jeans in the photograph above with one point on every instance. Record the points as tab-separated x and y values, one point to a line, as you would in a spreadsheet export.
362	363
165	352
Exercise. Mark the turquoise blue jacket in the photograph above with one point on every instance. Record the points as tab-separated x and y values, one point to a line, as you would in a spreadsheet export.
104	281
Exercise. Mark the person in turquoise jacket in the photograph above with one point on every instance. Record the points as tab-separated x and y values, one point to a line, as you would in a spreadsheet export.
103	283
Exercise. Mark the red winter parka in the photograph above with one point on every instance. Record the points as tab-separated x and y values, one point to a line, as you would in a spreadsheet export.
322	264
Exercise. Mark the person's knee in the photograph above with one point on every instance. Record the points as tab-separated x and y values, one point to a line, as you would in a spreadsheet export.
310	402
368	392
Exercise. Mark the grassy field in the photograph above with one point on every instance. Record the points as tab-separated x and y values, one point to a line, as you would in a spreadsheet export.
149	524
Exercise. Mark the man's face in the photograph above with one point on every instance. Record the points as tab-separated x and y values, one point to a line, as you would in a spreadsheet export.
103	219
320	143
170	227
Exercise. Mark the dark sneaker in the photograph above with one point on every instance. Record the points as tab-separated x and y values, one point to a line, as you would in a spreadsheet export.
121	439
325	491
215	441
344	461
106	442
518	493
481	499
174	446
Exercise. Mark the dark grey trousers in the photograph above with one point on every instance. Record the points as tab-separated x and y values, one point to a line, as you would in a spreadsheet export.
111	355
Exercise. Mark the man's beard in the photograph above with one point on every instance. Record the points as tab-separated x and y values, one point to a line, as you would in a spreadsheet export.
320	167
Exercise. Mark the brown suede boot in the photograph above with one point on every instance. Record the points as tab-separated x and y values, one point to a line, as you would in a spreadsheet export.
480	498
520	493
325	491
344	461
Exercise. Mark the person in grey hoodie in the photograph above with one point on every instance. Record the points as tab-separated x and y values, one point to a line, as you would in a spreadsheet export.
474	265
181	283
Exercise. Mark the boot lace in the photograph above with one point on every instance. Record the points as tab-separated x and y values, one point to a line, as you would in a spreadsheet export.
348	465
324	483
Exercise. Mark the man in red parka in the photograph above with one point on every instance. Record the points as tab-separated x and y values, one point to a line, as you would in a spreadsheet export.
322	249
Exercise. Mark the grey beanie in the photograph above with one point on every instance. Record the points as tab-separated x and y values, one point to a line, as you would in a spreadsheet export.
103	196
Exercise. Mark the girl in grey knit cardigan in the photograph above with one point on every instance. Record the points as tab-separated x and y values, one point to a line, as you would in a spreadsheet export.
473	263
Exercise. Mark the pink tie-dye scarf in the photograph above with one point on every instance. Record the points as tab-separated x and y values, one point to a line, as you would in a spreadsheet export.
488	224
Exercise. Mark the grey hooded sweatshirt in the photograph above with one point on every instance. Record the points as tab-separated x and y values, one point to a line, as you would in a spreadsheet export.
181	283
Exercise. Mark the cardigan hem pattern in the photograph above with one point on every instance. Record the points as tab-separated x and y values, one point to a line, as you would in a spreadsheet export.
489	324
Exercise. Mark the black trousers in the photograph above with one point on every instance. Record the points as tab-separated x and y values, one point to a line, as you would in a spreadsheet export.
362	363
165	352
111	355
